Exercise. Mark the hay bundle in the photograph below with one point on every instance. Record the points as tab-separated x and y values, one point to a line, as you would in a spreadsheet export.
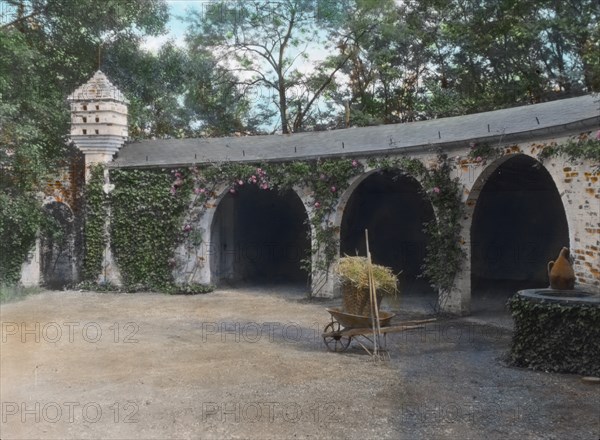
353	273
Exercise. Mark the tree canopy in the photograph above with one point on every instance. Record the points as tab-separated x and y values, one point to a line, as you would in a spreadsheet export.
289	65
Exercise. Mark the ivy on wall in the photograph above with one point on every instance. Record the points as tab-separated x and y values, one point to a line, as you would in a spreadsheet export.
145	227
20	219
96	212
585	146
582	147
151	213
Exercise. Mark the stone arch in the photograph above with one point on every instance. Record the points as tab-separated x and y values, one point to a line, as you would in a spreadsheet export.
517	224
391	204
259	236
58	266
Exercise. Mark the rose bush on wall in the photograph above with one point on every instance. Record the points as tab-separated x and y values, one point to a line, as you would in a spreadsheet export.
150	213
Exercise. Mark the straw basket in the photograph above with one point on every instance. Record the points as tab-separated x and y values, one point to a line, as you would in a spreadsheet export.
356	300
353	275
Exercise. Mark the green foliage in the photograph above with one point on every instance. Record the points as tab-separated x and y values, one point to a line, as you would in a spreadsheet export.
146	226
269	41
47	49
13	292
176	92
329	179
580	148
555	337
20	220
96	213
444	255
189	289
481	153
426	59
149	208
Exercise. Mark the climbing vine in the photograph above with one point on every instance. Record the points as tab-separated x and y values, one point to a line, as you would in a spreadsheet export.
151	212
145	227
481	153
444	254
96	211
20	220
582	147
325	178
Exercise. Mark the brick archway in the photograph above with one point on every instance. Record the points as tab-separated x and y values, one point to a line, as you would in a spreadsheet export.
517	224
393	208
58	266
259	236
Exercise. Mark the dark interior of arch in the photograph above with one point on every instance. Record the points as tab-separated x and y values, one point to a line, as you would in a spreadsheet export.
519	224
58	243
260	237
393	209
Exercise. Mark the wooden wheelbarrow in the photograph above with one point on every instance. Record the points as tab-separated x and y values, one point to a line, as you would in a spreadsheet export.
343	327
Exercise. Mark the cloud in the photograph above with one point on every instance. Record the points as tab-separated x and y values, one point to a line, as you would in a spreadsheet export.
153	44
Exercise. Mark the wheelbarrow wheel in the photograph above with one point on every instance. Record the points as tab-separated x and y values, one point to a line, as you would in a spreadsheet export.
336	341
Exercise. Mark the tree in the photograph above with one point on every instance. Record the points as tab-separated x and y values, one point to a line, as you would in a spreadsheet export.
498	53
388	64
47	49
268	44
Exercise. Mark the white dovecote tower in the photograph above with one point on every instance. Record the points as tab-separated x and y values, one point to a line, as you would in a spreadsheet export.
98	119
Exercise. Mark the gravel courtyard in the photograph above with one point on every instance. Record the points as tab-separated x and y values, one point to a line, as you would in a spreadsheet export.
251	363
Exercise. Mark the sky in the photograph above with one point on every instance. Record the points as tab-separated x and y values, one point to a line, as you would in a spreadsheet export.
175	27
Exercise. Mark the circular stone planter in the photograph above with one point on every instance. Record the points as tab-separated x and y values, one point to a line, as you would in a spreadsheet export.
556	330
567	297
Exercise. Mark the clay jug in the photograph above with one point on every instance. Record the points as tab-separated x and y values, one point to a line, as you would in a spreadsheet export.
560	272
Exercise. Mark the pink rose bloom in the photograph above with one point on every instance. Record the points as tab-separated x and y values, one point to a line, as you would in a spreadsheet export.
436	190
187	228
240	182
598	135
479	159
232	191
173	190
317	205
264	185
333	189
354	163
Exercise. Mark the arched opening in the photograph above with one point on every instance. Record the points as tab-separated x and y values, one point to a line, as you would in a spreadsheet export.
519	224
58	261
392	207
260	237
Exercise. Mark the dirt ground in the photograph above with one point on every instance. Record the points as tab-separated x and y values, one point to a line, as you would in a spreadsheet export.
251	363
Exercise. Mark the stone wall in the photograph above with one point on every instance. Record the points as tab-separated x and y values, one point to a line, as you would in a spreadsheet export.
576	185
